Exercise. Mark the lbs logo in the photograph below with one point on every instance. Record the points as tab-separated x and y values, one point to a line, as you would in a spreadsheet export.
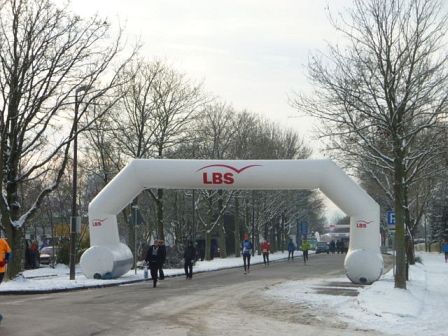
216	178
362	224
98	222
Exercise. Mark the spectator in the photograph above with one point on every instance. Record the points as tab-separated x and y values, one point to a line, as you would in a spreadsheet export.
332	247
344	246
338	246
44	244
5	254
34	255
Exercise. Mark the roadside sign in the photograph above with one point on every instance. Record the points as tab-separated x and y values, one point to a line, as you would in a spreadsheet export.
304	228
390	219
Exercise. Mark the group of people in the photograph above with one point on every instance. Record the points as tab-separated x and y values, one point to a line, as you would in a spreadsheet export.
338	247
304	247
265	246
156	256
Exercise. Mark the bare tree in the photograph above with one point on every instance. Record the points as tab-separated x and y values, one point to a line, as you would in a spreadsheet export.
177	101
215	132
48	57
378	95
152	118
212	205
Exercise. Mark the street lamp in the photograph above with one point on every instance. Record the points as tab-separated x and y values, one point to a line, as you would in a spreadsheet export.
253	223
193	231
75	217
135	208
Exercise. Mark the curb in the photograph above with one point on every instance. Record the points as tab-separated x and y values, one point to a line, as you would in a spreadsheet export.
72	289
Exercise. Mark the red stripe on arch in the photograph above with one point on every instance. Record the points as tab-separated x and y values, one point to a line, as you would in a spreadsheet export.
229	167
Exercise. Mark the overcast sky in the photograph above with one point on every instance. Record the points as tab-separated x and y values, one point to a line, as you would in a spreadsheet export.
250	53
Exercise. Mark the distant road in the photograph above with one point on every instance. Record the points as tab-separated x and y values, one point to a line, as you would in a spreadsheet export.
214	303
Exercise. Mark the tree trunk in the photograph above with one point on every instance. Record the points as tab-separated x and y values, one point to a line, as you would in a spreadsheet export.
15	236
400	274
236	232
208	244
17	244
410	252
274	246
222	232
222	241
159	202
284	240
279	236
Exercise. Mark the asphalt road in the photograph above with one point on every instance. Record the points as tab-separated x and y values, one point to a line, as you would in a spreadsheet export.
214	303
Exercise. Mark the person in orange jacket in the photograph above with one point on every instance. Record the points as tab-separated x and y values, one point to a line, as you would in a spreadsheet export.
266	249
5	253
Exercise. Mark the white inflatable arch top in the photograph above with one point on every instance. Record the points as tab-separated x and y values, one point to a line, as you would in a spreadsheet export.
108	258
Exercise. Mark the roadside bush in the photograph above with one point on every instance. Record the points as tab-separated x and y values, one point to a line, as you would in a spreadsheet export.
64	253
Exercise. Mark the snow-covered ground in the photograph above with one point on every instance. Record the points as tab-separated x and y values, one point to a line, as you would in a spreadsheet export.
422	309
419	310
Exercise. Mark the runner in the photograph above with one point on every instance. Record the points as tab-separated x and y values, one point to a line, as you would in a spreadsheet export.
153	260
291	248
246	246
305	247
445	249
266	248
189	257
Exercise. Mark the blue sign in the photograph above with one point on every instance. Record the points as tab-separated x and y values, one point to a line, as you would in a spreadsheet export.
304	228
391	219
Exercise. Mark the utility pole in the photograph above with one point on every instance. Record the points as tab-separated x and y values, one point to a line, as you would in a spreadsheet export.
75	218
135	208
194	218
253	223
426	236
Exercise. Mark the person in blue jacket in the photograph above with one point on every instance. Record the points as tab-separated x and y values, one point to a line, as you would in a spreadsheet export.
445	249
246	248
291	249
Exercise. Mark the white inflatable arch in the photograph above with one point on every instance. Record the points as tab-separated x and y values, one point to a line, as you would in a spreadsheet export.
108	258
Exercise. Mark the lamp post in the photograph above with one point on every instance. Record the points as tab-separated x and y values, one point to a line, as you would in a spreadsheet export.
193	231
426	235
253	223
135	208
75	217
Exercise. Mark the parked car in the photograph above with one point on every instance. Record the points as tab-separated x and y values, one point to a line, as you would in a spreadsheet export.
48	255
322	247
